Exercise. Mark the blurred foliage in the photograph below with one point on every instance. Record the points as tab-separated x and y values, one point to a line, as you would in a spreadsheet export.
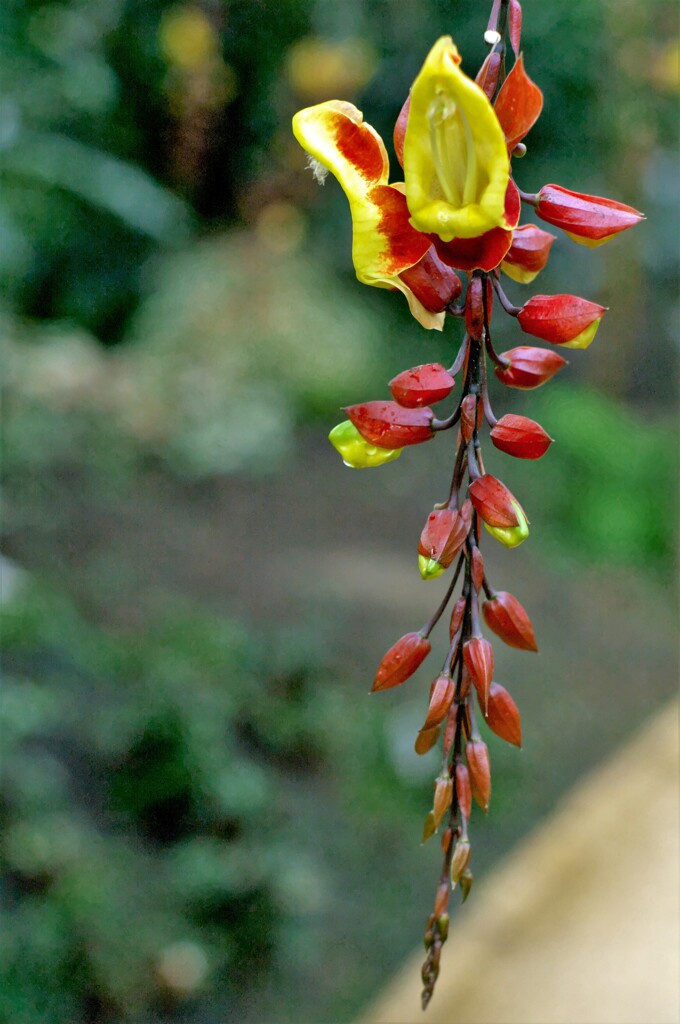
151	854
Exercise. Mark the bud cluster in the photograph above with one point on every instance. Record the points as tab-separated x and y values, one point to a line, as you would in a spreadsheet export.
477	233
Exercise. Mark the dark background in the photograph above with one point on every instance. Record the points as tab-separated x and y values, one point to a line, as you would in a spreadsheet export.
204	816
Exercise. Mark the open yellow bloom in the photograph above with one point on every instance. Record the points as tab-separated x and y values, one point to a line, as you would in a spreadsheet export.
456	164
387	251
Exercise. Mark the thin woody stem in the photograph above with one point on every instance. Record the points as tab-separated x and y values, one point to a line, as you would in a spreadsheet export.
505	302
426	630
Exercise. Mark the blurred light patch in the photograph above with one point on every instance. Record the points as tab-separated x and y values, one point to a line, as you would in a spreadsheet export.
317	68
187	38
182	968
281	227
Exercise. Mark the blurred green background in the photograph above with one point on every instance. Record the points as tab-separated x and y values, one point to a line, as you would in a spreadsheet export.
204	817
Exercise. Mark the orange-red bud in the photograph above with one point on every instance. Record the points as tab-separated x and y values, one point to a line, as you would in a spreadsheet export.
388	425
519	104
441	900
506	617
477	755
478	655
432	281
529	367
400	130
528	253
441	698
502	716
494	502
447	836
426	739
477	568
444	534
487	76
422	385
559	319
443	794
457	616
471	410
429	827
449	733
474	306
521	437
401	661
463	791
587	219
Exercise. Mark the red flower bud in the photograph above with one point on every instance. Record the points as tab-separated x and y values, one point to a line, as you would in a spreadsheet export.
561	319
425	740
444	534
447	836
590	220
477	755
443	794
515	25
519	104
400	130
441	901
528	253
477	568
401	661
506	617
478	655
457	616
388	425
441	698
487	76
467	416
463	791
432	281
474	306
449	733
521	437
529	367
493	502
502	715
423	385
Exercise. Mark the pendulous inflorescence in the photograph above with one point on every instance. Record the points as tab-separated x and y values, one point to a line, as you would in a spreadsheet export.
458	211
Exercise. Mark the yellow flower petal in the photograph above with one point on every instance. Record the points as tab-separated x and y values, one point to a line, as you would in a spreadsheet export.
584	339
456	165
383	241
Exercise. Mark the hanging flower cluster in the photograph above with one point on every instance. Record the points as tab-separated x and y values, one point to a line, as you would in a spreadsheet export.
458	210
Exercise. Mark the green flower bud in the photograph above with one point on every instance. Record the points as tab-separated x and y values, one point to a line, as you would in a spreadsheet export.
355	451
429	569
511	536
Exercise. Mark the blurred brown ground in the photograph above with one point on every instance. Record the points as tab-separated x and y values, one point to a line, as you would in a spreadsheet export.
581	925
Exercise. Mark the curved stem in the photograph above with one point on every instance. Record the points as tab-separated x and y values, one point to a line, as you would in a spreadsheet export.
426	630
508	306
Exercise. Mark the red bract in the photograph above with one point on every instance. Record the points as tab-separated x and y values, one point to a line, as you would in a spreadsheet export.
493	502
444	534
502	715
400	130
528	253
515	25
432	282
521	437
388	425
441	697
423	385
590	220
468	407
457	616
506	617
477	568
529	367
463	792
478	655
401	661
487	76
519	104
474	306
477	755
426	739
560	319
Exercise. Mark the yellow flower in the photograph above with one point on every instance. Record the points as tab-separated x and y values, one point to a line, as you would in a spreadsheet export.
456	165
384	244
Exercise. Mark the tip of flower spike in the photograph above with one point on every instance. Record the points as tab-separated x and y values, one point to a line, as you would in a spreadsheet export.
429	569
